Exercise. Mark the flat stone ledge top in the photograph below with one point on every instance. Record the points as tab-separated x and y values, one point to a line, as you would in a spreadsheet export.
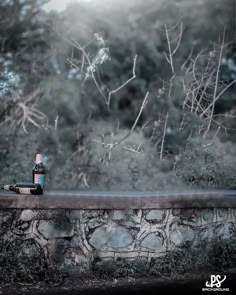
119	200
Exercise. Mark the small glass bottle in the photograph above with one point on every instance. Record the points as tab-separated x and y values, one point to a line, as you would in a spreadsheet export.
25	188
38	172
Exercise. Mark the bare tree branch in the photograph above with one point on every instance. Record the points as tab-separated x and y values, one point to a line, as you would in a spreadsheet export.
216	85
171	52
84	57
163	137
110	146
124	84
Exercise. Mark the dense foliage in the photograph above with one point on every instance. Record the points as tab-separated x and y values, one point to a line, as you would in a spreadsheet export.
60	92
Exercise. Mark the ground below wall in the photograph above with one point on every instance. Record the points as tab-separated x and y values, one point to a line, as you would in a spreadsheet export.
54	245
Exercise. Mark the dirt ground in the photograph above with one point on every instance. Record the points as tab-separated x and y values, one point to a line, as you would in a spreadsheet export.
181	285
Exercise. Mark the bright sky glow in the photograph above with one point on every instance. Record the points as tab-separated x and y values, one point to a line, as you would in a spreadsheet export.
57	5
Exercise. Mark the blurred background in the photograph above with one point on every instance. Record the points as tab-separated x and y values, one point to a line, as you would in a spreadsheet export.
119	95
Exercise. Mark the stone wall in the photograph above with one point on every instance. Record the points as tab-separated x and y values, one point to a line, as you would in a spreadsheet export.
50	245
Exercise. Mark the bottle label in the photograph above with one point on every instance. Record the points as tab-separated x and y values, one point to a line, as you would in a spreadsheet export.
25	190
39	178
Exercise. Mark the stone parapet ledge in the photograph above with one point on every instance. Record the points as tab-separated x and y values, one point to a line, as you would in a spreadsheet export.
119	200
92	235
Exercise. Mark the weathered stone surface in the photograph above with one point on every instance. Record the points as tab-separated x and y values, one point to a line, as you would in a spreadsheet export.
176	211
73	214
206	233
225	231
185	214
28	215
94	222
118	215
181	235
222	214
51	214
208	215
178	240
234	212
19	226
153	241
6	218
111	236
155	215
128	217
55	229
88	214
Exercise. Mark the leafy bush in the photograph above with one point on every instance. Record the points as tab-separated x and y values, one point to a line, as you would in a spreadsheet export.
92	73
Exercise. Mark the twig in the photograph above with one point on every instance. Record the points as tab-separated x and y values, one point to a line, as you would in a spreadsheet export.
134	150
171	52
78	46
187	59
108	147
56	122
163	137
211	143
216	85
218	96
207	83
124	84
194	66
171	85
24	112
85	56
134	125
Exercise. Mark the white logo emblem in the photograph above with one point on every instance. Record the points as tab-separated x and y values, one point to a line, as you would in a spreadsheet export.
215	283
